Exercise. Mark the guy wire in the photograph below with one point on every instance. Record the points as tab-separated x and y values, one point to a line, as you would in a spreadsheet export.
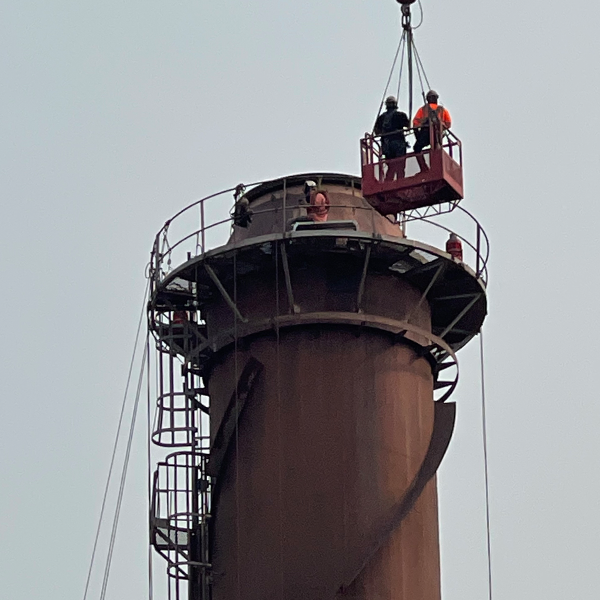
116	442
113	535
486	473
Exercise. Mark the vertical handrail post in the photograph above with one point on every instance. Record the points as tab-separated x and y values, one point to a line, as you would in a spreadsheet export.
284	205
202	228
478	246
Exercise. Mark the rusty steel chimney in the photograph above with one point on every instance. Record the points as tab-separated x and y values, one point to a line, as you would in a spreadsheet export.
304	365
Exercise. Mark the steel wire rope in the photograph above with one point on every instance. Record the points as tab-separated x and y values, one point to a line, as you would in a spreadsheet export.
124	474
279	433
149	463
116	443
419	68
237	429
422	16
387	85
401	69
485	466
420	64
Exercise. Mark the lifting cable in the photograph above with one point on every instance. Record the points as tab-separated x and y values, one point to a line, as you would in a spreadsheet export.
420	79
407	45
422	69
401	43
485	466
115	445
401	68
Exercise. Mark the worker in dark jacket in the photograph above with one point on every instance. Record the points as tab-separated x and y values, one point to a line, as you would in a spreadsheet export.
390	126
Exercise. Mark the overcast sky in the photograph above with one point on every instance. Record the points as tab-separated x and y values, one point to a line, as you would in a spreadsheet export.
114	115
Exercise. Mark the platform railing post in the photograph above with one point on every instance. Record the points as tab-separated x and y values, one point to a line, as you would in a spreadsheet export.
478	246
154	268
202	228
284	222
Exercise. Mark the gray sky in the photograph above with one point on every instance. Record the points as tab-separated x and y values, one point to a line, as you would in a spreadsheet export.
117	114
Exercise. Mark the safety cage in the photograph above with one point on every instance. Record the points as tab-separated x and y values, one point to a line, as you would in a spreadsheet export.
415	180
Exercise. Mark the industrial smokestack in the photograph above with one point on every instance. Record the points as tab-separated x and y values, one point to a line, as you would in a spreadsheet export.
326	349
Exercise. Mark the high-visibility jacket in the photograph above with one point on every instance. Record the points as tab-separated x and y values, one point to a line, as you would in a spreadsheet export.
432	111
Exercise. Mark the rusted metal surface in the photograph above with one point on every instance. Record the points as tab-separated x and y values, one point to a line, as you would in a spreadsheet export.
339	429
278	210
448	287
330	287
329	456
221	440
443	427
408	566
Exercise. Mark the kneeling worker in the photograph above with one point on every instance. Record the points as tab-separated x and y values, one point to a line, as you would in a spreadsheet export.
390	126
434	114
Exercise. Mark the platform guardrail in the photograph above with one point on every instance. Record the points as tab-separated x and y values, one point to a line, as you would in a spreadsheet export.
207	224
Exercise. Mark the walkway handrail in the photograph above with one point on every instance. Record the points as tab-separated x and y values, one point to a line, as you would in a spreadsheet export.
371	144
482	241
163	247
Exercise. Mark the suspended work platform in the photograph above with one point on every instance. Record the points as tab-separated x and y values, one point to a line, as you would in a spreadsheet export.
415	180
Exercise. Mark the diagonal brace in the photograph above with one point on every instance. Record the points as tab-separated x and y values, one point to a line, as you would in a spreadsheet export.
460	315
224	293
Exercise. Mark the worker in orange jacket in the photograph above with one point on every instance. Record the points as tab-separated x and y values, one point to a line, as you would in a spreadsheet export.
430	113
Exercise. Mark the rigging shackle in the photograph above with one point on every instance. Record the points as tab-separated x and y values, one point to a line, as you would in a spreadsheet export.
406	15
